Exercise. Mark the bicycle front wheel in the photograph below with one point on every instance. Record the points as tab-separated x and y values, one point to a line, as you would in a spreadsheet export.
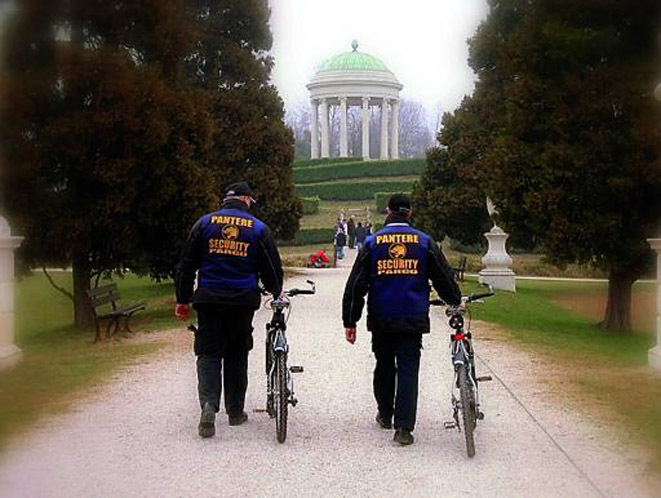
281	396
467	409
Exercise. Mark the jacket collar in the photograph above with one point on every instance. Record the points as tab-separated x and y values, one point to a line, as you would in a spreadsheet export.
398	219
235	204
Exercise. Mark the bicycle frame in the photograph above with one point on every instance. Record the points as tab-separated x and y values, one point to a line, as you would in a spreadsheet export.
461	352
276	342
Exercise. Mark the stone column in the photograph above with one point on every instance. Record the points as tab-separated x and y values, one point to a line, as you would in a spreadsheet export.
9	353
344	139
394	139
314	129
384	129
654	355
497	262
366	128
325	129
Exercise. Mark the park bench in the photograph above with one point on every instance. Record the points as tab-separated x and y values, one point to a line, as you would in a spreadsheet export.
106	306
460	270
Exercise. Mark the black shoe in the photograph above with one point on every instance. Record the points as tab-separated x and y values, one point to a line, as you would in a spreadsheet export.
207	427
384	423
238	419
403	437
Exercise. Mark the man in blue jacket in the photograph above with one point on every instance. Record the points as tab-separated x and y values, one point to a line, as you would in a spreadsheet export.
230	250
394	269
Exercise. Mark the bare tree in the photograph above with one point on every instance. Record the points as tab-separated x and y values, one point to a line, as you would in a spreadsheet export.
298	119
415	137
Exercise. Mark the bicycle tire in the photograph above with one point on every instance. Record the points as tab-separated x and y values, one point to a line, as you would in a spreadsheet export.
281	396
467	409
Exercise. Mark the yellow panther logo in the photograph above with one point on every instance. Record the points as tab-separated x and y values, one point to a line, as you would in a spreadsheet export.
397	251
231	232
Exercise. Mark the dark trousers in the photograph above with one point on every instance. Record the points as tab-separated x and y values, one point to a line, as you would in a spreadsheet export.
396	376
222	343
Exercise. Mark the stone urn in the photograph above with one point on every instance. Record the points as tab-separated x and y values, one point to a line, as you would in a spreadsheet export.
497	262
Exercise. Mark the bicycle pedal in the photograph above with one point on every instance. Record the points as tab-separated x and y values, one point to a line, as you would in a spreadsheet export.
449	425
484	378
480	416
259	410
296	369
293	401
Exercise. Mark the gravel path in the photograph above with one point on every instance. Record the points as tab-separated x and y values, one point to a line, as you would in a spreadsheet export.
137	436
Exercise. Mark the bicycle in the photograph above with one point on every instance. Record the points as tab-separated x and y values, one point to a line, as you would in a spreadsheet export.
465	380
280	384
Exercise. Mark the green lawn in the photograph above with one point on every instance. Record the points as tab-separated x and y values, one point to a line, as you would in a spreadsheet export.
608	368
59	361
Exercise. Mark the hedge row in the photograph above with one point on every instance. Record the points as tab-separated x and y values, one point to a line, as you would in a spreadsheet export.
310	205
349	191
311	236
395	167
308	163
381	200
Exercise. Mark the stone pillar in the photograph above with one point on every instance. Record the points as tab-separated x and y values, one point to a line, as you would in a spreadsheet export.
9	353
497	262
366	128
314	129
394	138
384	129
325	129
654	355
344	139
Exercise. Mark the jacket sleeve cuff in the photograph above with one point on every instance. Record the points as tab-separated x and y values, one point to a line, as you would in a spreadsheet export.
348	325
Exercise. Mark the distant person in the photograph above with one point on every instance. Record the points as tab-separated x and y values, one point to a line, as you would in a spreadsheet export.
351	231
230	250
361	235
368	228
394	269
340	244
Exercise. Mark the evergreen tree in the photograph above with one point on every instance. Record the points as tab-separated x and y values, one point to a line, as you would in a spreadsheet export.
251	142
102	144
570	147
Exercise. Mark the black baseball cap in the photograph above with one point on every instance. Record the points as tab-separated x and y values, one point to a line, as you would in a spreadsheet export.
399	203
239	189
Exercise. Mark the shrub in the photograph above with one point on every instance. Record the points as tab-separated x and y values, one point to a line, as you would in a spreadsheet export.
328	172
477	248
309	163
381	200
310	236
310	205
350	191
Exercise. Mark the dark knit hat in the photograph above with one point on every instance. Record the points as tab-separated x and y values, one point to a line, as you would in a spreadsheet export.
399	203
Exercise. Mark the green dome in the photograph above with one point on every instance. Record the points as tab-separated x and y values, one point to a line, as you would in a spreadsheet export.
353	61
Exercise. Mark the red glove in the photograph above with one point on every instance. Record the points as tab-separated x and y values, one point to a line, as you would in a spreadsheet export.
350	334
181	311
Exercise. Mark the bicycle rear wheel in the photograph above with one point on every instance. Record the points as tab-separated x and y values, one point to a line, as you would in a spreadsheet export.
281	396
467	409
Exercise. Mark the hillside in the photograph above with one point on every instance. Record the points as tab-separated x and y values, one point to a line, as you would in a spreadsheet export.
330	186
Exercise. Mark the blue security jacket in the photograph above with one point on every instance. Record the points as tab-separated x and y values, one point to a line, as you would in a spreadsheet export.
394	269
231	249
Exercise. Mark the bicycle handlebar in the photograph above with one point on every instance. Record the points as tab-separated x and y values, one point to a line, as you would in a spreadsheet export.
468	299
298	292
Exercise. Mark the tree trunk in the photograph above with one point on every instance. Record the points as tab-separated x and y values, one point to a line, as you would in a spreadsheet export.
82	273
618	308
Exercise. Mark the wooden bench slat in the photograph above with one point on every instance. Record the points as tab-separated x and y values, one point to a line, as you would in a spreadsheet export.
97	302
104	289
122	311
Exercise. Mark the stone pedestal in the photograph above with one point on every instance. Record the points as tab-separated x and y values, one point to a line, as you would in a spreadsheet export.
9	353
654	355
497	262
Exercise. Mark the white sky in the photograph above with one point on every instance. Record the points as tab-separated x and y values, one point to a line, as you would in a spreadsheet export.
422	41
